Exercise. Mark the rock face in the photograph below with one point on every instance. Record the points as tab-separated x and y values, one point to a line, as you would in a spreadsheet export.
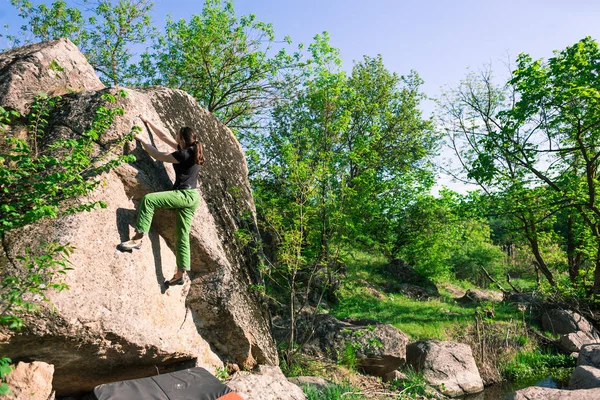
117	321
268	384
542	393
446	363
573	342
30	381
55	68
566	321
377	348
585	377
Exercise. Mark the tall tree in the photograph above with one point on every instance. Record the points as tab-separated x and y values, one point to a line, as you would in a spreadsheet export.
541	138
221	59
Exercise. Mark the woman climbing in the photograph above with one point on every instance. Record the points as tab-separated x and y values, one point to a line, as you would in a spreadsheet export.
183	197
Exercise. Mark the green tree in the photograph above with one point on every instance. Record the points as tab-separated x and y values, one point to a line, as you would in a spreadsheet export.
222	60
104	32
338	156
541	140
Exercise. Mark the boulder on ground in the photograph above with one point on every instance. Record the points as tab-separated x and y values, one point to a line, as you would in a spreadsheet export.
268	383
30	381
585	377
447	365
573	342
377	348
117	321
589	355
562	322
543	393
481	296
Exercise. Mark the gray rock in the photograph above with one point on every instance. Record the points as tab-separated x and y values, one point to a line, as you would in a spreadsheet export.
542	393
572	342
268	384
55	68
395	376
589	355
446	363
585	377
315	381
30	381
481	296
116	321
566	321
378	348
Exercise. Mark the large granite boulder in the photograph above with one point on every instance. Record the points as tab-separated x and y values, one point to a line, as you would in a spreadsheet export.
543	393
446	365
117	321
376	348
585	377
268	383
30	381
562	322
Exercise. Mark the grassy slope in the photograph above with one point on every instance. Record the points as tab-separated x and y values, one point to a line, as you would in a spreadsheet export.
442	318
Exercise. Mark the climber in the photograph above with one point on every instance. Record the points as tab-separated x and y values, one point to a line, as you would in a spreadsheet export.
183	197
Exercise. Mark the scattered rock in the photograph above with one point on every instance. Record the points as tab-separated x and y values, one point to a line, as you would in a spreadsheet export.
589	355
325	281
395	376
30	381
542	393
523	298
315	381
481	296
446	363
572	342
566	321
585	377
268	384
377	348
403	278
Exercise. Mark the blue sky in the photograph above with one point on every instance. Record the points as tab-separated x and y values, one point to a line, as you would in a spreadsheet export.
440	39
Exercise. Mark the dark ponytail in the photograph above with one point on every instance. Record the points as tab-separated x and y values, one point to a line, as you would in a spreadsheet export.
190	137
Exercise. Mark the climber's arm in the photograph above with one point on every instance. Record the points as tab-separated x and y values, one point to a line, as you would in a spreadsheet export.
155	153
161	135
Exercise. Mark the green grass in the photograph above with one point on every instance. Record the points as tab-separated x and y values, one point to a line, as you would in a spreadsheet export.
333	392
534	365
420	319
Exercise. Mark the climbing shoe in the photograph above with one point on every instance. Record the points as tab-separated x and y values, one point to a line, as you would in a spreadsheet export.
130	245
173	282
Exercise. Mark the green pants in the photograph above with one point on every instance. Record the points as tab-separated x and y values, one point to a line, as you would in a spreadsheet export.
185	203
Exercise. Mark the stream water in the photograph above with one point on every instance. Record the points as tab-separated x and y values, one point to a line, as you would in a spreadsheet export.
500	391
